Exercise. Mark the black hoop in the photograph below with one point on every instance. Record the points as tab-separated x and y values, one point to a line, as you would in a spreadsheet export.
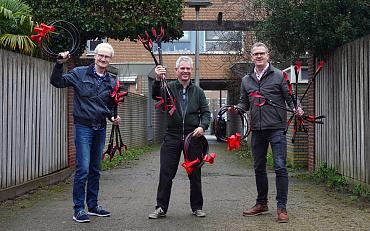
205	148
70	29
243	118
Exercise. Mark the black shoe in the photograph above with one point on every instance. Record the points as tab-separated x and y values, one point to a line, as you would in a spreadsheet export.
199	213
158	213
98	211
81	216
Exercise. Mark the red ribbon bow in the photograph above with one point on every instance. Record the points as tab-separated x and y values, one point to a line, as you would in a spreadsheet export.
118	97
189	166
233	142
210	158
41	31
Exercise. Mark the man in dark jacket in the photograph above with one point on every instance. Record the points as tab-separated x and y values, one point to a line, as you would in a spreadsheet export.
268	124
92	105
192	115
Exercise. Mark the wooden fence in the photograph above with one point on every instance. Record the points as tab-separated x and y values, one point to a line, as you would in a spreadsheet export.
33	128
343	95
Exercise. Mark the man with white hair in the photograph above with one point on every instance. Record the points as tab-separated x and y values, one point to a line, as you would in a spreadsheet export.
191	115
92	104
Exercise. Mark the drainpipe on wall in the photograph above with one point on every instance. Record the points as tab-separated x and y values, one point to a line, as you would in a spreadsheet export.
150	109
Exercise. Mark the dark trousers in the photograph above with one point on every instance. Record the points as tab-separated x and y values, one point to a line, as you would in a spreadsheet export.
260	143
170	153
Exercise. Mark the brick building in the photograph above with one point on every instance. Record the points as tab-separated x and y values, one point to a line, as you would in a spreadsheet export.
224	31
225	35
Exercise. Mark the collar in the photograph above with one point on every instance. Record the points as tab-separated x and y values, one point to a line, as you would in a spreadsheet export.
178	84
96	74
259	76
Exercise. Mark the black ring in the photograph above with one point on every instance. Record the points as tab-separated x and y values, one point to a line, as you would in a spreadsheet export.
243	118
71	30
205	148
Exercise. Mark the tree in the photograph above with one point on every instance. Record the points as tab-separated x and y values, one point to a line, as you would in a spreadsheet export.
294	27
116	19
16	25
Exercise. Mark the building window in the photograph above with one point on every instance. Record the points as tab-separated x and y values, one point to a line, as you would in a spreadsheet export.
302	76
223	41
91	45
183	45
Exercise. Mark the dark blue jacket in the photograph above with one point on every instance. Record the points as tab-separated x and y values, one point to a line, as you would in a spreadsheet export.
91	103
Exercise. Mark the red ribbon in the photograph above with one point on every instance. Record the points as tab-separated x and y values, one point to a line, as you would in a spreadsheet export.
233	142
41	31
257	94
210	158
118	97
297	65
288	81
189	166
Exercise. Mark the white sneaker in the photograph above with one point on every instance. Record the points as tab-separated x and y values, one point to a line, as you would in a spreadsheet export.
199	213
158	213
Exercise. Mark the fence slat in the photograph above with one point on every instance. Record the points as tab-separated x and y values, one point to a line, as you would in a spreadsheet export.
343	95
28	147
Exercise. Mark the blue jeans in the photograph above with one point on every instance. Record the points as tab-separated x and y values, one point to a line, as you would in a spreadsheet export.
260	143
89	148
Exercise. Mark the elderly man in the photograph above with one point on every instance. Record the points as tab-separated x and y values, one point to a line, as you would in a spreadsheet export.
192	115
268	124
92	105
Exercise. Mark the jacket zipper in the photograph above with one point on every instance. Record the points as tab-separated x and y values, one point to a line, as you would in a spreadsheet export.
183	114
260	110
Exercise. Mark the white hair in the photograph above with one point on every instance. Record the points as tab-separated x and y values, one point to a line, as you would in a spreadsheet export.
106	46
184	58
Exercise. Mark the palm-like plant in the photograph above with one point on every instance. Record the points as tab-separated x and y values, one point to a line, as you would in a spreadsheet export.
16	25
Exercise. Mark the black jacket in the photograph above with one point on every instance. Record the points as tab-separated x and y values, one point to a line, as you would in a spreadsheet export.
197	113
91	103
273	86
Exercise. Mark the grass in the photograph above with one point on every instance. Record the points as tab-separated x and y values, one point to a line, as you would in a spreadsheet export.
334	180
130	154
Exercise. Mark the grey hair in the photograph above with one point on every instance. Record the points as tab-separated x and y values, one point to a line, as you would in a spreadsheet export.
184	58
101	46
259	44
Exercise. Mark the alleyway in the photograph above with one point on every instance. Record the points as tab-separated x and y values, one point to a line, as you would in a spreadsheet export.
229	188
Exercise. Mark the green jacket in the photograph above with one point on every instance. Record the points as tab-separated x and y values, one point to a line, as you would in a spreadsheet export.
196	114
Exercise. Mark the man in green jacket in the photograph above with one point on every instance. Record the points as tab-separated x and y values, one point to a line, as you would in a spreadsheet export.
191	115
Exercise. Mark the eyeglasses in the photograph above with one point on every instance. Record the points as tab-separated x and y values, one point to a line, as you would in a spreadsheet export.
185	68
259	54
100	56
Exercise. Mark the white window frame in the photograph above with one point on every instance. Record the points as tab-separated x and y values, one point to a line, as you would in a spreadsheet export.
184	39
291	74
207	40
89	51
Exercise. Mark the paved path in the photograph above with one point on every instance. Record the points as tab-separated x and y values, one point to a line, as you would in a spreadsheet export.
228	187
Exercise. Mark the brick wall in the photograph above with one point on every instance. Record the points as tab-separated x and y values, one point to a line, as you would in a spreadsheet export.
298	151
71	142
211	66
231	10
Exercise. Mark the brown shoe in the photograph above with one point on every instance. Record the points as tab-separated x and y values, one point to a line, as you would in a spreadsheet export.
258	209
282	216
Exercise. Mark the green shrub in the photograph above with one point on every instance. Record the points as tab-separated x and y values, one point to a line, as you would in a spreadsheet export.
330	176
130	154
